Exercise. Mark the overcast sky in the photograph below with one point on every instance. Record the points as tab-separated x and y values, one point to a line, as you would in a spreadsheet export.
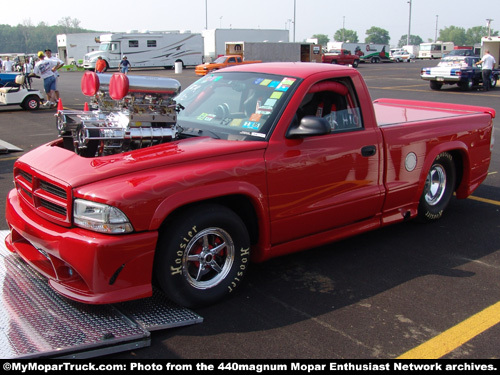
311	16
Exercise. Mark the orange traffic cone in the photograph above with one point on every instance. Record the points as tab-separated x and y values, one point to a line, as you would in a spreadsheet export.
86	106
59	105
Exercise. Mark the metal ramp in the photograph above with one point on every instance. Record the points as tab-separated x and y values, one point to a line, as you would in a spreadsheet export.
36	322
6	147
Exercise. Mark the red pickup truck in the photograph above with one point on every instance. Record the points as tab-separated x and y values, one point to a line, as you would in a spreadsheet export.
262	160
341	57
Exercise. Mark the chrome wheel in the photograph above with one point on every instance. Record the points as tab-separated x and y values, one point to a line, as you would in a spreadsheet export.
208	258
435	185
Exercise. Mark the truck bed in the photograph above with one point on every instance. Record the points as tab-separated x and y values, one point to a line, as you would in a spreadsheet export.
395	111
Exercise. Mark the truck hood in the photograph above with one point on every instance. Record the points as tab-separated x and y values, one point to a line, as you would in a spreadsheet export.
67	167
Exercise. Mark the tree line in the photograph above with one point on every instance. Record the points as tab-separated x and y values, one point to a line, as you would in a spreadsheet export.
28	38
458	35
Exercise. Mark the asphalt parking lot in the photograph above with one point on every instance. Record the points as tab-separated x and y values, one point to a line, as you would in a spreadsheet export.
375	296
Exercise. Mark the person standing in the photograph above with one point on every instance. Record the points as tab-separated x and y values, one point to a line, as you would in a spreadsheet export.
8	65
100	65
59	65
488	63
124	65
26	72
45	69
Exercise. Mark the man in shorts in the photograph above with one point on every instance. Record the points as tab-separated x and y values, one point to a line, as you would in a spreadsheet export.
45	68
48	54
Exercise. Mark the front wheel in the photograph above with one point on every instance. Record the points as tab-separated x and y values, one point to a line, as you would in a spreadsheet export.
202	256
438	189
355	63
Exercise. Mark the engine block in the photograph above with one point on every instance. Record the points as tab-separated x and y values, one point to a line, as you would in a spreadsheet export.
129	112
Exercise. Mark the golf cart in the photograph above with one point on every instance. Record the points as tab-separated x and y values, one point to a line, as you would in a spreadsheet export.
19	94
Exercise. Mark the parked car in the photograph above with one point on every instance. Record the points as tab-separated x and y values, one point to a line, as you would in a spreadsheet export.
402	56
457	70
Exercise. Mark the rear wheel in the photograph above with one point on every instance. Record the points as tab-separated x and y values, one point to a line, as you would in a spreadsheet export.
435	85
466	85
438	189
31	103
202	256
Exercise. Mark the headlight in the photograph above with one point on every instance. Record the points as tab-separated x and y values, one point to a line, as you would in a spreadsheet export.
100	217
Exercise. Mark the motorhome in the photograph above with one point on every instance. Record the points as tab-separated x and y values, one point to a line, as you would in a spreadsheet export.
435	50
148	49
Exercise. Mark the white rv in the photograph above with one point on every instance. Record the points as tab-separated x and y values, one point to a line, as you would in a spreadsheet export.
148	49
435	50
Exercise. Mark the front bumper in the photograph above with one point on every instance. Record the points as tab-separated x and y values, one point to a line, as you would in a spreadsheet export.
82	265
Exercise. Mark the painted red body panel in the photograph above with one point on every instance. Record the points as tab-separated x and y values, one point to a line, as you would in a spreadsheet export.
304	192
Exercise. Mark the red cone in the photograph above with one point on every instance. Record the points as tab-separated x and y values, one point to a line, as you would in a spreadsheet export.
59	105
86	106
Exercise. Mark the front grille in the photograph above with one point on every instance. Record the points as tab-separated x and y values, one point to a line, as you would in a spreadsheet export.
51	199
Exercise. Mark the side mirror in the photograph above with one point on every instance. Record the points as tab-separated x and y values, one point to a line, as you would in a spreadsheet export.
309	126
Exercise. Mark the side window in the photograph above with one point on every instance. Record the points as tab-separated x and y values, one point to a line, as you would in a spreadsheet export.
151	43
232	60
133	43
336	102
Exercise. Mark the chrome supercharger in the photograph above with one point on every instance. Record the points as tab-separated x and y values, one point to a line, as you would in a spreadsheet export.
128	113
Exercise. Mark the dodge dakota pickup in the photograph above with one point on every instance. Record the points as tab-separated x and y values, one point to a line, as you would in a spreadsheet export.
222	62
246	164
341	57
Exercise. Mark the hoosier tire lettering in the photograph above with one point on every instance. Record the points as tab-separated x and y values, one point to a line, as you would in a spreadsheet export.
203	255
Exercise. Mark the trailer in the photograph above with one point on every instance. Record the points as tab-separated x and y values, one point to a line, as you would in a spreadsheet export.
215	39
38	323
492	44
148	49
275	52
71	48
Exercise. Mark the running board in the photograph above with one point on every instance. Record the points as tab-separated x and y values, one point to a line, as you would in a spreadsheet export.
36	322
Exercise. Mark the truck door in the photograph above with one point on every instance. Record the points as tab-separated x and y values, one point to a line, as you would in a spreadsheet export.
323	182
115	54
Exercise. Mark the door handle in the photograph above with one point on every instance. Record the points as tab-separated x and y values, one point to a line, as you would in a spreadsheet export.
369	150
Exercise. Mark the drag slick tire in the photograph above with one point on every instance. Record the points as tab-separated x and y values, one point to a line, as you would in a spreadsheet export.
438	189
202	255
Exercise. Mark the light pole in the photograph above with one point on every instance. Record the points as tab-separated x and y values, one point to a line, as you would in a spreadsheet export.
488	24
409	26
294	15
436	35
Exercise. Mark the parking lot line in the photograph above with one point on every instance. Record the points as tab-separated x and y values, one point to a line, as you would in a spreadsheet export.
484	200
456	336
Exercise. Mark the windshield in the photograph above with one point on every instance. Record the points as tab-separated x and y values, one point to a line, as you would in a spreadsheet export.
234	105
105	47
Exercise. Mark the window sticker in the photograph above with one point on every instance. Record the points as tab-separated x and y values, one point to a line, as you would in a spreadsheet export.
254	134
202	116
236	122
255	117
258	81
251	125
270	102
265	82
264	110
285	84
276	95
274	84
